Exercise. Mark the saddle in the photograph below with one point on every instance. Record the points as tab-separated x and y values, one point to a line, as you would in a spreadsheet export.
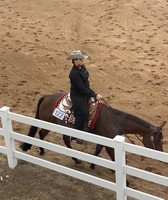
63	110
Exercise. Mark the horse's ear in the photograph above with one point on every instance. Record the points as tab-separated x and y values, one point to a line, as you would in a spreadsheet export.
162	124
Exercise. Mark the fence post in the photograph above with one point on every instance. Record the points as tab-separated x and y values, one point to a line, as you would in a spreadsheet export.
9	142
120	162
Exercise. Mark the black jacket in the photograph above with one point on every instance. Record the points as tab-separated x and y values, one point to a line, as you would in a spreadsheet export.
80	85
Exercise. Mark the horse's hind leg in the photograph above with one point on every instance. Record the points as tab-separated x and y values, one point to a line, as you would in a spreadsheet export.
42	134
31	133
67	142
97	152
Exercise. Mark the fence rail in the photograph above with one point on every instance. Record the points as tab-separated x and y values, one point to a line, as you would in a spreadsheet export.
118	143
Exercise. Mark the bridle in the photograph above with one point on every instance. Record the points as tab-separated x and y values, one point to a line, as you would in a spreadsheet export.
151	139
158	129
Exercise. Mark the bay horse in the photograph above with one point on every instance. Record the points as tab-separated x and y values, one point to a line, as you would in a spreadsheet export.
110	122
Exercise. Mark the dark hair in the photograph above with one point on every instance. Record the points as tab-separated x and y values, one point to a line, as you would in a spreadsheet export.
73	61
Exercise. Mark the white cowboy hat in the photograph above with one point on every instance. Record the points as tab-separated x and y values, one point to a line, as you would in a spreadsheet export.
77	54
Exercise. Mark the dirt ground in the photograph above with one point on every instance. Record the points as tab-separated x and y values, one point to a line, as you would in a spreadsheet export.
127	42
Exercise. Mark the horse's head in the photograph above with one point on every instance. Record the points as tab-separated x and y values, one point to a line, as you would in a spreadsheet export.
154	140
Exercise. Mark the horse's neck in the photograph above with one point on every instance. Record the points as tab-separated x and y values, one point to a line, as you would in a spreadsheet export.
136	125
131	124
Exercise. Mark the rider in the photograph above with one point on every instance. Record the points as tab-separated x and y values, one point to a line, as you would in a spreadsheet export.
80	90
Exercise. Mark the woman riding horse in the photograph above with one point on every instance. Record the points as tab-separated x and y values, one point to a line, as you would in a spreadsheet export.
80	90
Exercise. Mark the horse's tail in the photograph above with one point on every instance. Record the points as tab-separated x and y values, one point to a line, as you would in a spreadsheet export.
33	129
38	106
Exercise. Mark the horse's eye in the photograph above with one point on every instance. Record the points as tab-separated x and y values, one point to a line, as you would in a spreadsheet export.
155	133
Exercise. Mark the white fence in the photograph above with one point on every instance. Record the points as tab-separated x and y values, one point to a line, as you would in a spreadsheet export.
118	143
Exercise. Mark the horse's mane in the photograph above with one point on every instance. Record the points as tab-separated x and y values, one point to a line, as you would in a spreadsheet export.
129	116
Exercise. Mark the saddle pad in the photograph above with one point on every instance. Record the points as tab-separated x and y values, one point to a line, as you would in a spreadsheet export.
63	111
62	107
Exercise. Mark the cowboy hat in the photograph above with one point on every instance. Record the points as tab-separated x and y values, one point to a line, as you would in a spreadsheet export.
77	54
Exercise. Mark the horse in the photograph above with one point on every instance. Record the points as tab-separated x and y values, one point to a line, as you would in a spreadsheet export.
110	122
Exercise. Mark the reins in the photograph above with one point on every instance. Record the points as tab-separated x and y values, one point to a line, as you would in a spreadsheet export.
129	139
152	140
139	138
132	140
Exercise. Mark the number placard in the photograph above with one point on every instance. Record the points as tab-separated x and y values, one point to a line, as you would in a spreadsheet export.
58	114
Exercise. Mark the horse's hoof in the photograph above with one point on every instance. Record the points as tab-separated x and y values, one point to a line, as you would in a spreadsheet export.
21	147
78	162
42	153
79	141
73	138
92	166
25	146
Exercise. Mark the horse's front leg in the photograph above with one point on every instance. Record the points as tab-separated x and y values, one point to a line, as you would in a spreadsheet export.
42	134
110	152
97	152
67	142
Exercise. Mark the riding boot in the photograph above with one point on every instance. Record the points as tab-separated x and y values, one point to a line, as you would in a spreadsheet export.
80	122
